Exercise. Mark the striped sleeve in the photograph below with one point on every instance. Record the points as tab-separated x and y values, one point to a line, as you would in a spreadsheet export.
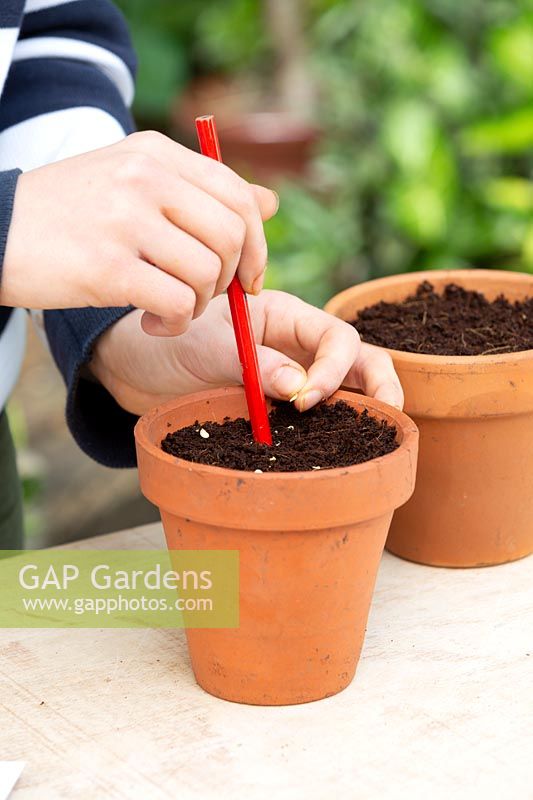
70	55
68	91
12	331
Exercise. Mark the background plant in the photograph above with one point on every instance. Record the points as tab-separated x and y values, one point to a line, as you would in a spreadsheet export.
426	108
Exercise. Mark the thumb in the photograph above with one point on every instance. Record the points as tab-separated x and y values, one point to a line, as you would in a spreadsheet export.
282	377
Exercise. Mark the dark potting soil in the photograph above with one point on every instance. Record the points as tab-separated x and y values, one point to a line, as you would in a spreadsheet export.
326	436
455	323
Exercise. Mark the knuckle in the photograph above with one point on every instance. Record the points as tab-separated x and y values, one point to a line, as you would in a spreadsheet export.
212	268
350	332
185	303
235	235
244	198
148	140
135	170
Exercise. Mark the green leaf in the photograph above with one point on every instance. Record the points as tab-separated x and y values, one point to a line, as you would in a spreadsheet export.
510	133
410	134
451	80
511	193
419	210
512	51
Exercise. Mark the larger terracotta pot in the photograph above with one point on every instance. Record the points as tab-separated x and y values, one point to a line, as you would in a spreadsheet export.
473	502
309	544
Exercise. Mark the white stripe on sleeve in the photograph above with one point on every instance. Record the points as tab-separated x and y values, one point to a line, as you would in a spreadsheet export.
8	37
58	134
59	47
38	5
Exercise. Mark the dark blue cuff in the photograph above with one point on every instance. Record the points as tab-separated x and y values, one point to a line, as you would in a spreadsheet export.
8	185
98	424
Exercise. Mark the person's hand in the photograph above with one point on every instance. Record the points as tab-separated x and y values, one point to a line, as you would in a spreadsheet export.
145	222
302	351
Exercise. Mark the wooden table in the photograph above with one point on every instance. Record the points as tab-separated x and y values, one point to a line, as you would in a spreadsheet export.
441	706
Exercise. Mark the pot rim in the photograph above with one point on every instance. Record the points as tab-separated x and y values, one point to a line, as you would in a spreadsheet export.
442	363
405	426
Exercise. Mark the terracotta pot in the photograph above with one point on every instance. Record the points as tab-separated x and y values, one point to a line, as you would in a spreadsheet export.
473	502
261	145
309	542
266	145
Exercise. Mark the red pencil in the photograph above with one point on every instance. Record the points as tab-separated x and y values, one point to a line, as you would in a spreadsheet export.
240	315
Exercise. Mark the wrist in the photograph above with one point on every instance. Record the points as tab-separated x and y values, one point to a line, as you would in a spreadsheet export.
110	352
137	369
103	363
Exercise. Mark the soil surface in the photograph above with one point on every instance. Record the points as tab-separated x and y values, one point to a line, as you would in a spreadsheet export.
455	323
326	436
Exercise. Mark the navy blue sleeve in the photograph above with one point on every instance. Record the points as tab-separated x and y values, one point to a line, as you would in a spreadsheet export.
8	184
99	425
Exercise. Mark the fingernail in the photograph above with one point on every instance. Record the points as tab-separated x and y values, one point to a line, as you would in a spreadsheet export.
309	399
288	380
276	195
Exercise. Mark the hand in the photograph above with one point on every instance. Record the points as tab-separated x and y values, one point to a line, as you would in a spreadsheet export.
145	222
302	351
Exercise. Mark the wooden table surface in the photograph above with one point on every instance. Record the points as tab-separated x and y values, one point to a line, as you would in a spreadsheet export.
440	707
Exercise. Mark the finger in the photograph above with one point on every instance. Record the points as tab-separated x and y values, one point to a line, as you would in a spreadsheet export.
337	349
325	345
237	195
228	188
267	200
282	377
164	296
374	373
177	253
207	219
185	161
160	326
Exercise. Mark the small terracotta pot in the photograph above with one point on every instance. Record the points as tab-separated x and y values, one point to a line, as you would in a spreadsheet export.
309	544
268	145
264	146
473	502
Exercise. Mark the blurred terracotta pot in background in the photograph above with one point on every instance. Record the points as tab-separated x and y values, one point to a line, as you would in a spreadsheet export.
259	145
473	502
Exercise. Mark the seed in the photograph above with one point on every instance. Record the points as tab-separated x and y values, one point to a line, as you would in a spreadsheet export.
204	434
315	467
290	427
258	470
272	458
277	444
293	398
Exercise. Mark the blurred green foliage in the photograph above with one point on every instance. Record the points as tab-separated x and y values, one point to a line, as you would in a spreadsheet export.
426	108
